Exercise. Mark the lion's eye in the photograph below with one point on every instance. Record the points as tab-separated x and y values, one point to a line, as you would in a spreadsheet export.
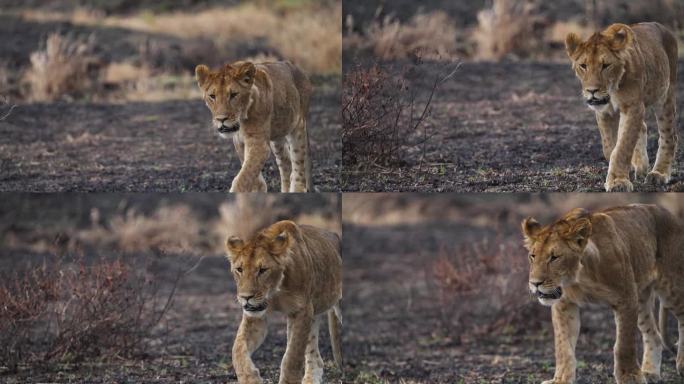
212	97
553	258
606	66
232	95
531	257
583	66
239	269
262	270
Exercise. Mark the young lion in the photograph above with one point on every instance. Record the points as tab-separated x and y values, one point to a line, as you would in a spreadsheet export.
625	71
262	104
295	270
623	257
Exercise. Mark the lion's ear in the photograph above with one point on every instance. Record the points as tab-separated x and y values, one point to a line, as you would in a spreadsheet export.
572	42
619	36
245	74
577	233
280	244
530	229
201	74
234	245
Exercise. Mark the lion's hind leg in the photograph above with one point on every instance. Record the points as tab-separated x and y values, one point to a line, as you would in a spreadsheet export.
298	141
640	162
653	347
282	154
667	142
313	365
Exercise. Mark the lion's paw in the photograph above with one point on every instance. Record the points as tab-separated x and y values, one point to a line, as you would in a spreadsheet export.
554	381
652	377
619	185
635	378
657	179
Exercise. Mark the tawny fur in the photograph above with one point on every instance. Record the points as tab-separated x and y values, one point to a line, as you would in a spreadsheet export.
296	270
269	102
633	70
623	257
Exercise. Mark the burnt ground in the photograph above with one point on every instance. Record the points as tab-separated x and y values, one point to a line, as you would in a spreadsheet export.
404	335
505	127
90	146
165	146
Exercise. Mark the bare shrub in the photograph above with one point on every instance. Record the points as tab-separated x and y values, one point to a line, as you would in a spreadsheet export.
66	67
482	280
67	313
389	39
509	27
381	116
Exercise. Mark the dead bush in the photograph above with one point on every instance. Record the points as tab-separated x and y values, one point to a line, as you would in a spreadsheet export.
66	67
485	279
381	117
389	39
509	27
67	312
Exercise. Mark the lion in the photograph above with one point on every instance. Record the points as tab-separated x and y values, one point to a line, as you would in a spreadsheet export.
260	105
623	257
294	269
627	71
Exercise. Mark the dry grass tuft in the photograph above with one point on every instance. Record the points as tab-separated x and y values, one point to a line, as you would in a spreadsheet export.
509	27
430	35
66	67
171	229
244	216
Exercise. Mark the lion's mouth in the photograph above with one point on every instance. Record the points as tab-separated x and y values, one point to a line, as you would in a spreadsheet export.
598	102
229	129
255	308
554	295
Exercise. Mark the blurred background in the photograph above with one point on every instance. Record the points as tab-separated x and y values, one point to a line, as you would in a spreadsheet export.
119	288
477	96
444	294
83	81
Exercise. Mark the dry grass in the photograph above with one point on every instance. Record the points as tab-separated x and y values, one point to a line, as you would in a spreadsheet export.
429	35
507	28
58	312
66	67
306	35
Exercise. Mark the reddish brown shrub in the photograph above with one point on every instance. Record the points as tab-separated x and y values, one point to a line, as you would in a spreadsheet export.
70	312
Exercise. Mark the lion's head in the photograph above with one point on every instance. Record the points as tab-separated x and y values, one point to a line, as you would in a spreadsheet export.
258	265
227	93
599	62
555	252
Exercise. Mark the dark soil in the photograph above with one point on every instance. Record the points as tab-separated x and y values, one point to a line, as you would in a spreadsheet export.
504	127
165	146
193	342
404	338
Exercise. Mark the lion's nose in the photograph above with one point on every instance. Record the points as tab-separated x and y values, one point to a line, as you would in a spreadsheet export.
592	90
246	297
221	119
536	283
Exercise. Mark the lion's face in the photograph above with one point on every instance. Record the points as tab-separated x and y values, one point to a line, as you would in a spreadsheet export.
555	253
227	93
599	63
258	267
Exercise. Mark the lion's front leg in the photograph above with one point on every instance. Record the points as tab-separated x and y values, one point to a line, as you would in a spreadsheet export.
299	328
626	366
250	335
313	370
608	124
256	154
631	123
566	326
260	185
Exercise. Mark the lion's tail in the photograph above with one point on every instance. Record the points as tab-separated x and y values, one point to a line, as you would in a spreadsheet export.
334	328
